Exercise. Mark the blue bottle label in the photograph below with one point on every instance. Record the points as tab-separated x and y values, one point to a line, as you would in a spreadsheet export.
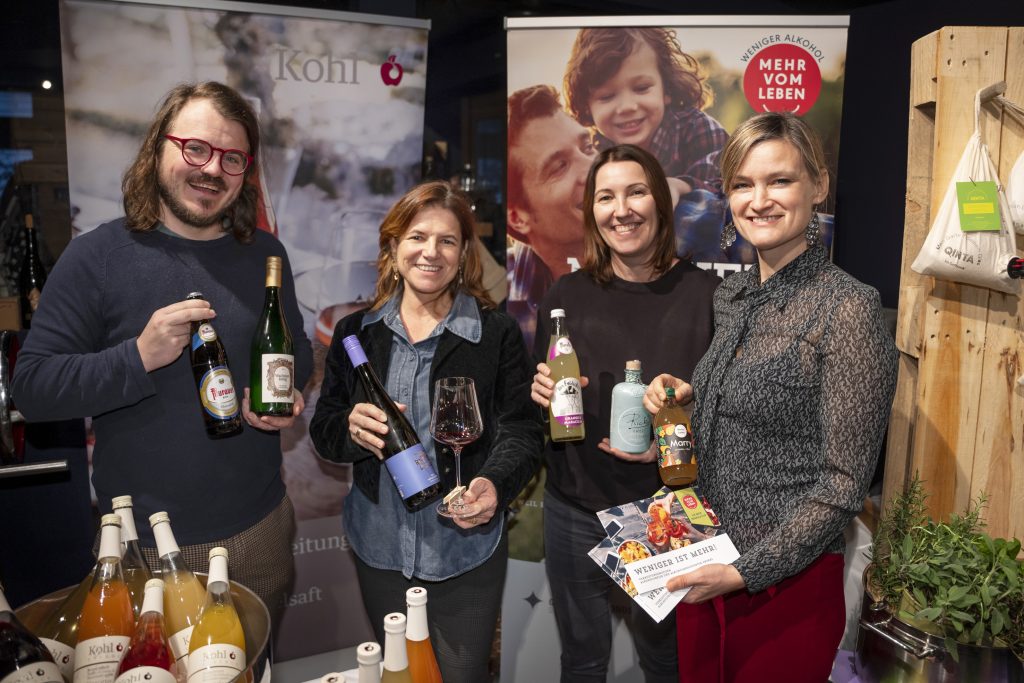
412	471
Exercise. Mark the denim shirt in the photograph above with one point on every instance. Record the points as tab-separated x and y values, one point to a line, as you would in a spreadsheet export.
386	535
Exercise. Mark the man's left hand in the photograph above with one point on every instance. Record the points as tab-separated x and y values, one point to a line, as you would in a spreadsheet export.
269	423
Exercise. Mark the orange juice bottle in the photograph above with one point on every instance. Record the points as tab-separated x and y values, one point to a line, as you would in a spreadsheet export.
183	594
107	622
422	662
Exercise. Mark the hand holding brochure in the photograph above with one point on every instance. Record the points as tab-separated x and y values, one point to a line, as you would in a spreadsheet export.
651	539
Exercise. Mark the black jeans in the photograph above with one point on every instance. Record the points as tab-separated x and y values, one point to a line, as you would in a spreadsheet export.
584	598
462	612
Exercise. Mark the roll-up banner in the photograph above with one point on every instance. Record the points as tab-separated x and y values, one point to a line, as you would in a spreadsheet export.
340	98
677	86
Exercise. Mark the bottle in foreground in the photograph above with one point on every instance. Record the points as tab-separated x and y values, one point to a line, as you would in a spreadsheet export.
148	658
566	409
407	462
183	594
676	460
59	632
396	658
107	623
23	657
133	564
630	428
422	660
218	400
32	276
368	656
216	651
272	361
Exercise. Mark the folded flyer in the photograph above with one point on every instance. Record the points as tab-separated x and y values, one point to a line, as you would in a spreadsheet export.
661	527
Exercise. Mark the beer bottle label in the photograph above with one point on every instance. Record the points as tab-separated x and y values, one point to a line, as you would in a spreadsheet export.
675	445
412	471
204	333
217	393
277	371
567	403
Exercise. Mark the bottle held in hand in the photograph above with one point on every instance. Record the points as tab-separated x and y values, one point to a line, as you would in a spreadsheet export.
404	456
677	462
566	409
272	361
630	429
217	397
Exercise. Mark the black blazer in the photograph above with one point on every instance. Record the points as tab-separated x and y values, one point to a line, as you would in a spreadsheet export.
509	450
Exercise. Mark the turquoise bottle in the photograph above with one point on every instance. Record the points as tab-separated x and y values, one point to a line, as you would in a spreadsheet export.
630	428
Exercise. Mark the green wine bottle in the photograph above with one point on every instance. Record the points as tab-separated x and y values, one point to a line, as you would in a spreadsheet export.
272	360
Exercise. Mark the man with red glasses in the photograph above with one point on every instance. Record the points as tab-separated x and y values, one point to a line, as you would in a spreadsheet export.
110	334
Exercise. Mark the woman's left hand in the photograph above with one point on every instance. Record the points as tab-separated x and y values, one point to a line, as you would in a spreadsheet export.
650	455
479	503
707	582
269	423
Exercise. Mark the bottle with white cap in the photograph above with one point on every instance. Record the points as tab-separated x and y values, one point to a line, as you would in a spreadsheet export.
566	406
368	656
396	659
422	661
148	658
133	564
216	651
183	594
107	623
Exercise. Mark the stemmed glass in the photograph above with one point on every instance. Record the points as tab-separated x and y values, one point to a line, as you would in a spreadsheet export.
455	421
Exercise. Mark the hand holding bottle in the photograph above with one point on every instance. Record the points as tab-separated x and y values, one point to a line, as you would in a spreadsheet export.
650	455
654	397
167	333
543	387
479	503
270	423
365	422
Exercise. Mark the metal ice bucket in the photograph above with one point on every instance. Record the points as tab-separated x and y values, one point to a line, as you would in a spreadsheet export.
251	612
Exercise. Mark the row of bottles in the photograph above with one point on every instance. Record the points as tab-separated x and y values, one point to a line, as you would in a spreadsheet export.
630	428
271	371
119	619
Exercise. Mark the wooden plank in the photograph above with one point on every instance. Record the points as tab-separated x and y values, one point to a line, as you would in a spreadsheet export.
952	359
901	423
922	70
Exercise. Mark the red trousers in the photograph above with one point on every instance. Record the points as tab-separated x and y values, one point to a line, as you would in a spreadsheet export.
789	632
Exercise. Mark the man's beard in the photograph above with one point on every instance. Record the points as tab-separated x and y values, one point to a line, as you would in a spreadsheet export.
183	213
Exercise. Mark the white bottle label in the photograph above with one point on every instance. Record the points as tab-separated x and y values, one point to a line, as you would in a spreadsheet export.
561	347
217	393
567	403
146	674
278	371
96	659
40	672
216	663
179	644
63	655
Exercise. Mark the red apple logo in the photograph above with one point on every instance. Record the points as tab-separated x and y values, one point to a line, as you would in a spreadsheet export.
391	72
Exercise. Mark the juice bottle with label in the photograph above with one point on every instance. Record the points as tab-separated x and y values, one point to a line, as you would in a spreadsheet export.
107	623
148	658
216	651
566	409
23	657
133	564
183	594
422	661
677	462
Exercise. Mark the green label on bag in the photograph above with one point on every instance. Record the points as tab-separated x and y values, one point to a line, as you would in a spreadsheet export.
978	204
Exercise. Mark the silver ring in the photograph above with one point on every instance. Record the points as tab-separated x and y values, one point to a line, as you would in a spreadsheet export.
359	430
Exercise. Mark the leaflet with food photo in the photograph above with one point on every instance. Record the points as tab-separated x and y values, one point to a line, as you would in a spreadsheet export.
657	603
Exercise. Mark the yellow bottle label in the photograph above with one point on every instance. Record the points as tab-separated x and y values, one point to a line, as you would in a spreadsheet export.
675	445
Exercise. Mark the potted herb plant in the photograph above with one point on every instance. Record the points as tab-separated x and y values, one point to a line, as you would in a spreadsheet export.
941	596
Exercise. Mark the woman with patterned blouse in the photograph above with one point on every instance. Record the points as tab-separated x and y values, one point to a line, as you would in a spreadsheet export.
792	401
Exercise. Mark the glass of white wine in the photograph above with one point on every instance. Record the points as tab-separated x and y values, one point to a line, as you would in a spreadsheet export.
455	421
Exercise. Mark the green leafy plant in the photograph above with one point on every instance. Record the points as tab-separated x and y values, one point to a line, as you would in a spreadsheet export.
950	579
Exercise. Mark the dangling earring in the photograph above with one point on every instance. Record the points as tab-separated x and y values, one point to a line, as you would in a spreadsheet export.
460	277
394	272
728	235
813	232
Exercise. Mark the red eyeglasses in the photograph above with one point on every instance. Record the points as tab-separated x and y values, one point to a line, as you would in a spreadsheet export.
198	152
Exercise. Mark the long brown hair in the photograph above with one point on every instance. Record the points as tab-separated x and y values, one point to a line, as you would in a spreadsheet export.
433	194
139	185
597	255
598	53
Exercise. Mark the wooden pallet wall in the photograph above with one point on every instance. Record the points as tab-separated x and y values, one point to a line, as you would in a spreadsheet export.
958	416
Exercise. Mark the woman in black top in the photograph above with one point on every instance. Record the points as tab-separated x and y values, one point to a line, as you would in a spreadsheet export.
633	299
792	401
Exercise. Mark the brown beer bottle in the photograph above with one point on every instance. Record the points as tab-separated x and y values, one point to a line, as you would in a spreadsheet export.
218	400
676	460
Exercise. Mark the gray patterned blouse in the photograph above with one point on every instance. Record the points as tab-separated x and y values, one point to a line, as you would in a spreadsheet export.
792	400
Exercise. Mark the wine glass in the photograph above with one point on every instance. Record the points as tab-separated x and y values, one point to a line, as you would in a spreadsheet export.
455	421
